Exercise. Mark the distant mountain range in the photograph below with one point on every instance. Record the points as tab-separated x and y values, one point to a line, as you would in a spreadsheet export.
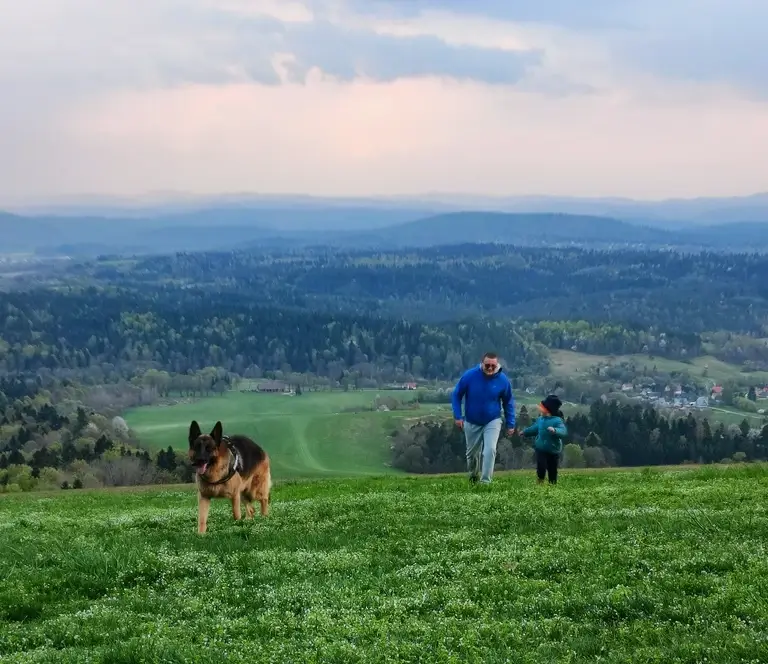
371	223
306	209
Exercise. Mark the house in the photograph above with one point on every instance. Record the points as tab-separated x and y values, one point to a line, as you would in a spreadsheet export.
717	392
627	387
702	402
272	386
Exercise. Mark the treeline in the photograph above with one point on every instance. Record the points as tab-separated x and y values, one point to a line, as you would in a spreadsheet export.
73	467
615	339
665	290
185	330
384	316
50	440
748	352
609	434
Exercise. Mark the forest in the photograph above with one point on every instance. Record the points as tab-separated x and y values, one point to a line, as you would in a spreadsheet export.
88	339
678	292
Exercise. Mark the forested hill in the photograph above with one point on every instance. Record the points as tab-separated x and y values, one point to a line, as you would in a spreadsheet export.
661	289
517	229
429	311
229	229
547	229
118	330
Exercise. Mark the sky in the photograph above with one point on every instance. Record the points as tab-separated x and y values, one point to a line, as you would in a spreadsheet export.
645	99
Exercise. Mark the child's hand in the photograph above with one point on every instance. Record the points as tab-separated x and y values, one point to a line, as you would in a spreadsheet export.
551	429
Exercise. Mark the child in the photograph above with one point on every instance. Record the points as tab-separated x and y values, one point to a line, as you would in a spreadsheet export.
549	430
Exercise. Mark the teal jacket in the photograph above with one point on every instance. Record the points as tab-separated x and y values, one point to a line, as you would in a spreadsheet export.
546	441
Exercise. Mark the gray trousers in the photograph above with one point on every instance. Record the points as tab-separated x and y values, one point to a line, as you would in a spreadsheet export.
481	448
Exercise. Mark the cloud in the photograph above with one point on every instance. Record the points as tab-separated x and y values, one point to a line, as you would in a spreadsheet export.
589	13
719	41
349	54
90	44
614	97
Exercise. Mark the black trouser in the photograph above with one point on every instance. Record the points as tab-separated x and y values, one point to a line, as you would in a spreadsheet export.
546	464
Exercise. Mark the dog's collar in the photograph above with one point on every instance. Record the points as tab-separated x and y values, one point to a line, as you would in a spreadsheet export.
235	463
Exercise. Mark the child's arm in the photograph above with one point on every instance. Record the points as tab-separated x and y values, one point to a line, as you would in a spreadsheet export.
561	431
530	431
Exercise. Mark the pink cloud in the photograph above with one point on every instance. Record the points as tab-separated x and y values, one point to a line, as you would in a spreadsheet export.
407	137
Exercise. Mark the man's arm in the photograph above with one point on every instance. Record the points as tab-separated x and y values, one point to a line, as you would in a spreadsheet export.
457	395
508	401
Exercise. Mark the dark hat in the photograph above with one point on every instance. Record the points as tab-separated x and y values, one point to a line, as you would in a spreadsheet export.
552	403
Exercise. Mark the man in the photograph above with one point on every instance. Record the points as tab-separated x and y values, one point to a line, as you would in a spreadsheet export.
484	389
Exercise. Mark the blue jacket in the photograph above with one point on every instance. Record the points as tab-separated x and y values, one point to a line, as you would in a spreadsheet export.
483	397
546	441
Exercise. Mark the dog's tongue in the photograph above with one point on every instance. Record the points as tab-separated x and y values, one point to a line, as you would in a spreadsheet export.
202	469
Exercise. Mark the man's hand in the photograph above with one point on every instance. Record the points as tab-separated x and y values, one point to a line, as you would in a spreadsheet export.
551	429
459	423
511	432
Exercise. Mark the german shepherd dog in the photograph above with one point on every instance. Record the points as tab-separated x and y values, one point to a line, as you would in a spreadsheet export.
228	467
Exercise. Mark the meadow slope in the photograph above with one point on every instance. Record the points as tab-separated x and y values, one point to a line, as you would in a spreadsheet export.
567	363
312	435
657	566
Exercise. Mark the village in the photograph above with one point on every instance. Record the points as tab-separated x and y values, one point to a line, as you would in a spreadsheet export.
688	397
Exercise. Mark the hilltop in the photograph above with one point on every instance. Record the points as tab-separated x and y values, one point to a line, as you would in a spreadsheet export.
609	566
515	229
378	228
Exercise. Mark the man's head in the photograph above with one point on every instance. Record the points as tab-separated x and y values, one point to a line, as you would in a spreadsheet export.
490	363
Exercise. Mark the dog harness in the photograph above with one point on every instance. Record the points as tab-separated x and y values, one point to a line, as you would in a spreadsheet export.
235	463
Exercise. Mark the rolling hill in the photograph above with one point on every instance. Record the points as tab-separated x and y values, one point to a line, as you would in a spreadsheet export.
313	435
221	228
548	229
370	228
506	228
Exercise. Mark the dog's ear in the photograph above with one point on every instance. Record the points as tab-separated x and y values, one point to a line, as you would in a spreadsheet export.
217	433
194	432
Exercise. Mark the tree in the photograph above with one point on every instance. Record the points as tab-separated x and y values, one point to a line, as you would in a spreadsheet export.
573	456
523	418
594	457
81	422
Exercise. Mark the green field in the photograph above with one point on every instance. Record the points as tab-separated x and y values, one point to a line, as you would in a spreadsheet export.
306	436
566	363
729	415
614	566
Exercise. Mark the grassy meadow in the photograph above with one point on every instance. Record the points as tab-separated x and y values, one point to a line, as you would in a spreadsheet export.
311	435
614	566
567	363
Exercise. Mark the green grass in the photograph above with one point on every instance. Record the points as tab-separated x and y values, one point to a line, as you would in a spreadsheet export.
658	566
567	363
729	415
305	436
